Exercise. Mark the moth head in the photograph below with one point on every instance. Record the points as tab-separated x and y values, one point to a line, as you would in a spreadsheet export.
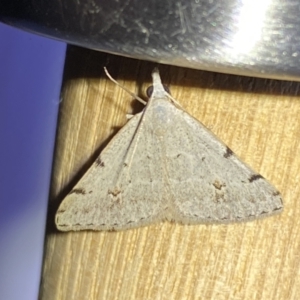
150	89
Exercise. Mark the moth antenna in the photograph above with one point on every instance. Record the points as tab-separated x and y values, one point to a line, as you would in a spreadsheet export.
124	88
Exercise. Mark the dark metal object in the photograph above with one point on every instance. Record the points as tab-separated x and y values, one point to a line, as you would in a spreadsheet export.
250	37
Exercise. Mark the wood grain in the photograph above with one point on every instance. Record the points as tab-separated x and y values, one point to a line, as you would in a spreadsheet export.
257	118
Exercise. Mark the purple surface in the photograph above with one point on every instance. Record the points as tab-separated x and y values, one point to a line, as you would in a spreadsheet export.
30	80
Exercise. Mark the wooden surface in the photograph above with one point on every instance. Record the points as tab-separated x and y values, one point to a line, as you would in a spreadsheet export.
257	118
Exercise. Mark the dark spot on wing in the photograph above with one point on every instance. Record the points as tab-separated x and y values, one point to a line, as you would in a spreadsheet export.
276	193
114	192
99	162
218	185
228	153
78	191
255	177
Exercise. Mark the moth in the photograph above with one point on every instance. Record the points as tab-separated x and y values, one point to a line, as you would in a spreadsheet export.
166	165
